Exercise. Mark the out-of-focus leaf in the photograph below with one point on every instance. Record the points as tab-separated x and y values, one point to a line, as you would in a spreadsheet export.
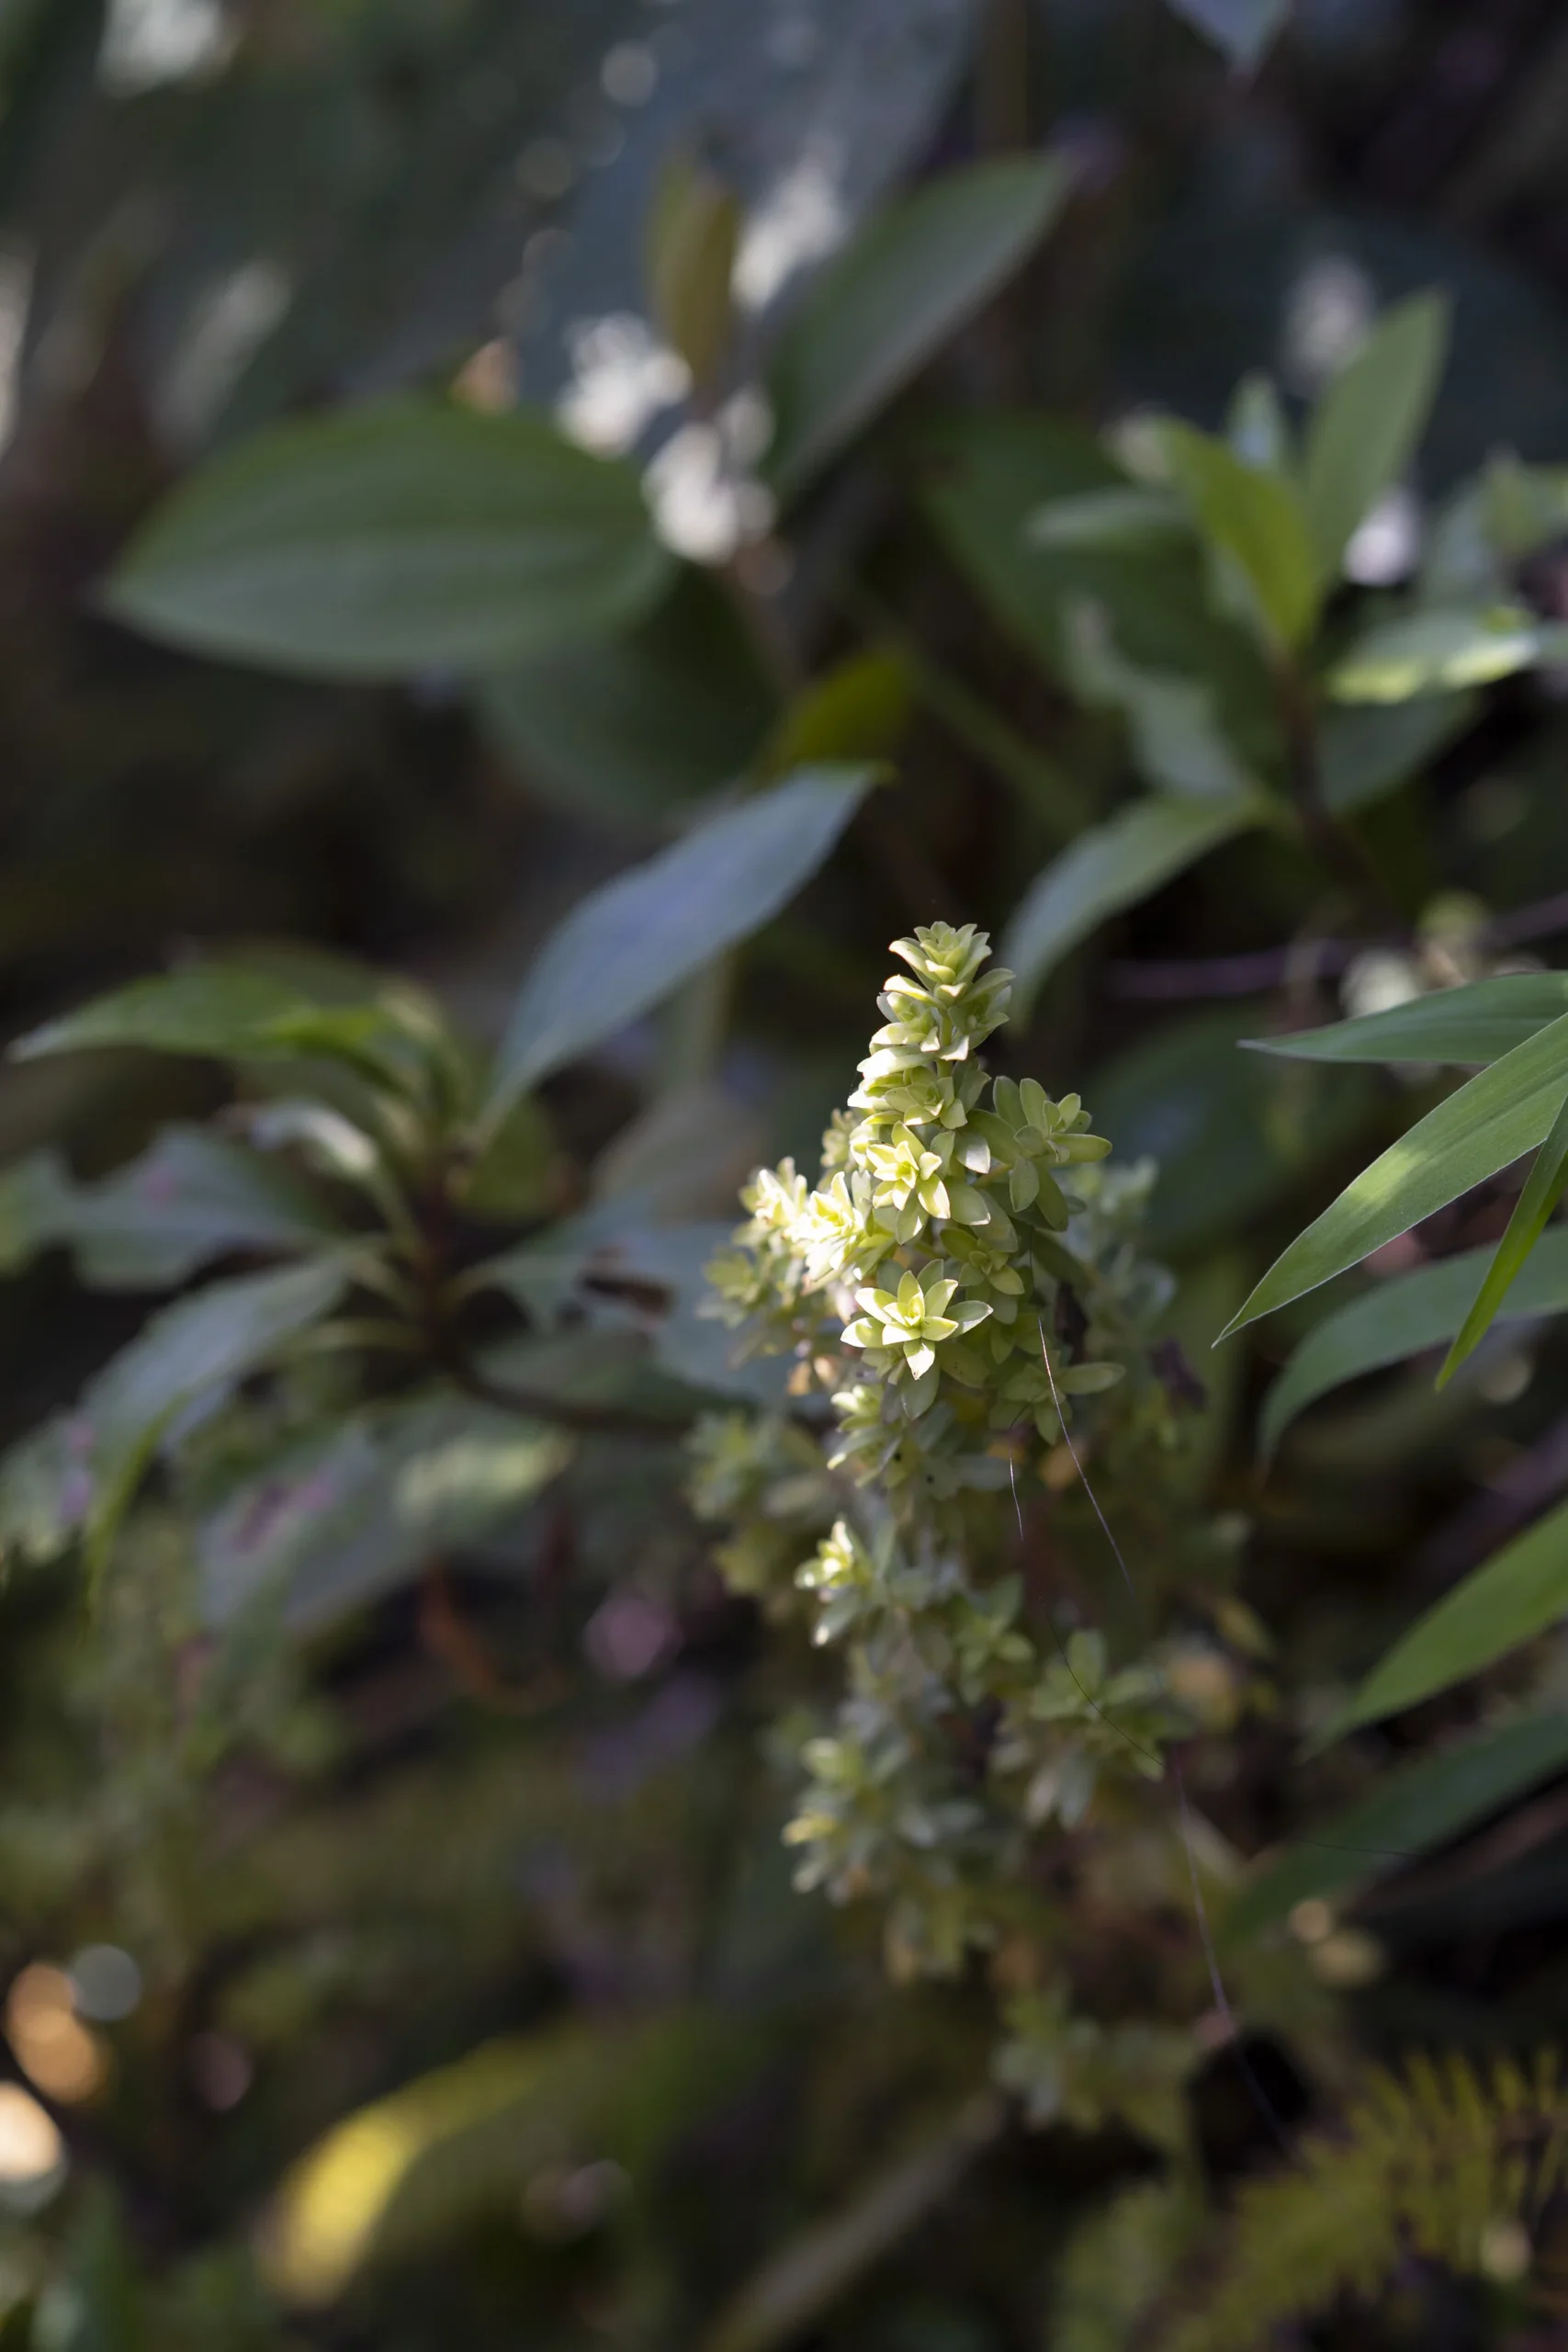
230	1013
1243	28
1176	739
1517	1594
192	1356
1477	1023
1116	2264
393	540
30	1194
1256	427
693	235
1544	1189
1111	866
348	1515
986	476
1411	1812
1402	1318
1490	1121
1439	653
693	1347
190	1198
515	1175
636	725
686	1155
1369	420
403	2174
1254	521
807	2277
1368	750
896	295
1126	516
1229	1139
860	711
629	944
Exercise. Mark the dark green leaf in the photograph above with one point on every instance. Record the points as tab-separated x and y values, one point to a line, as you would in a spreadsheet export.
30	1194
1368	750
1178	744
351	1514
1254	520
1243	28
892	299
190	1198
636	725
1111	866
1517	1594
1476	1024
1402	1318
392	540
1409	1813
626	947
1369	420
1490	1121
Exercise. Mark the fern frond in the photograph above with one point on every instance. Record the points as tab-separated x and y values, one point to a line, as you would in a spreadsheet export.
1443	2161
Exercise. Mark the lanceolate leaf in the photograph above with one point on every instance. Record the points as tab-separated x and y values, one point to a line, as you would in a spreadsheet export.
1490	1121
885	305
1543	1189
1440	652
192	1197
1255	520
1112	866
1368	422
1402	1318
404	537
1369	749
1409	1813
628	944
1475	1024
1516	1595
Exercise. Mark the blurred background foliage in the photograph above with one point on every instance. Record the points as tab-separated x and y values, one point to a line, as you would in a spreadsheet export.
418	1958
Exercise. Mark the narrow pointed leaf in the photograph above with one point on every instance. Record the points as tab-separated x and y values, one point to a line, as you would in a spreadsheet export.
1402	1318
1543	1189
1112	866
888	303
1475	1024
1254	519
1369	422
1408	1815
1440	652
629	946
1519	1593
1492	1121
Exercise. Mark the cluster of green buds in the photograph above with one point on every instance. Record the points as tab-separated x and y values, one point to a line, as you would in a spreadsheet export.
961	1274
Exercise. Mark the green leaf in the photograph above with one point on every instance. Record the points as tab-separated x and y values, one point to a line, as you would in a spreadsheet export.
628	945
1176	739
1440	652
30	1194
1517	1594
1489	1123
230	1013
1369	420
693	233
1229	1133
1254	520
1409	1813
1243	28
1111	866
390	539
1402	1318
906	283
1256	427
351	1514
637	725
193	1354
1123	515
1369	749
1544	1189
1477	1023
859	709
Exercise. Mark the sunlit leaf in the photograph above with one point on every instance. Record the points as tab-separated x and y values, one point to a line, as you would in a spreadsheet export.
906	283
1519	1593
1111	866
626	947
1489	1123
1476	1023
1253	520
348	1515
1409	1813
1544	1189
384	541
1369	420
1404	1317
1439	653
